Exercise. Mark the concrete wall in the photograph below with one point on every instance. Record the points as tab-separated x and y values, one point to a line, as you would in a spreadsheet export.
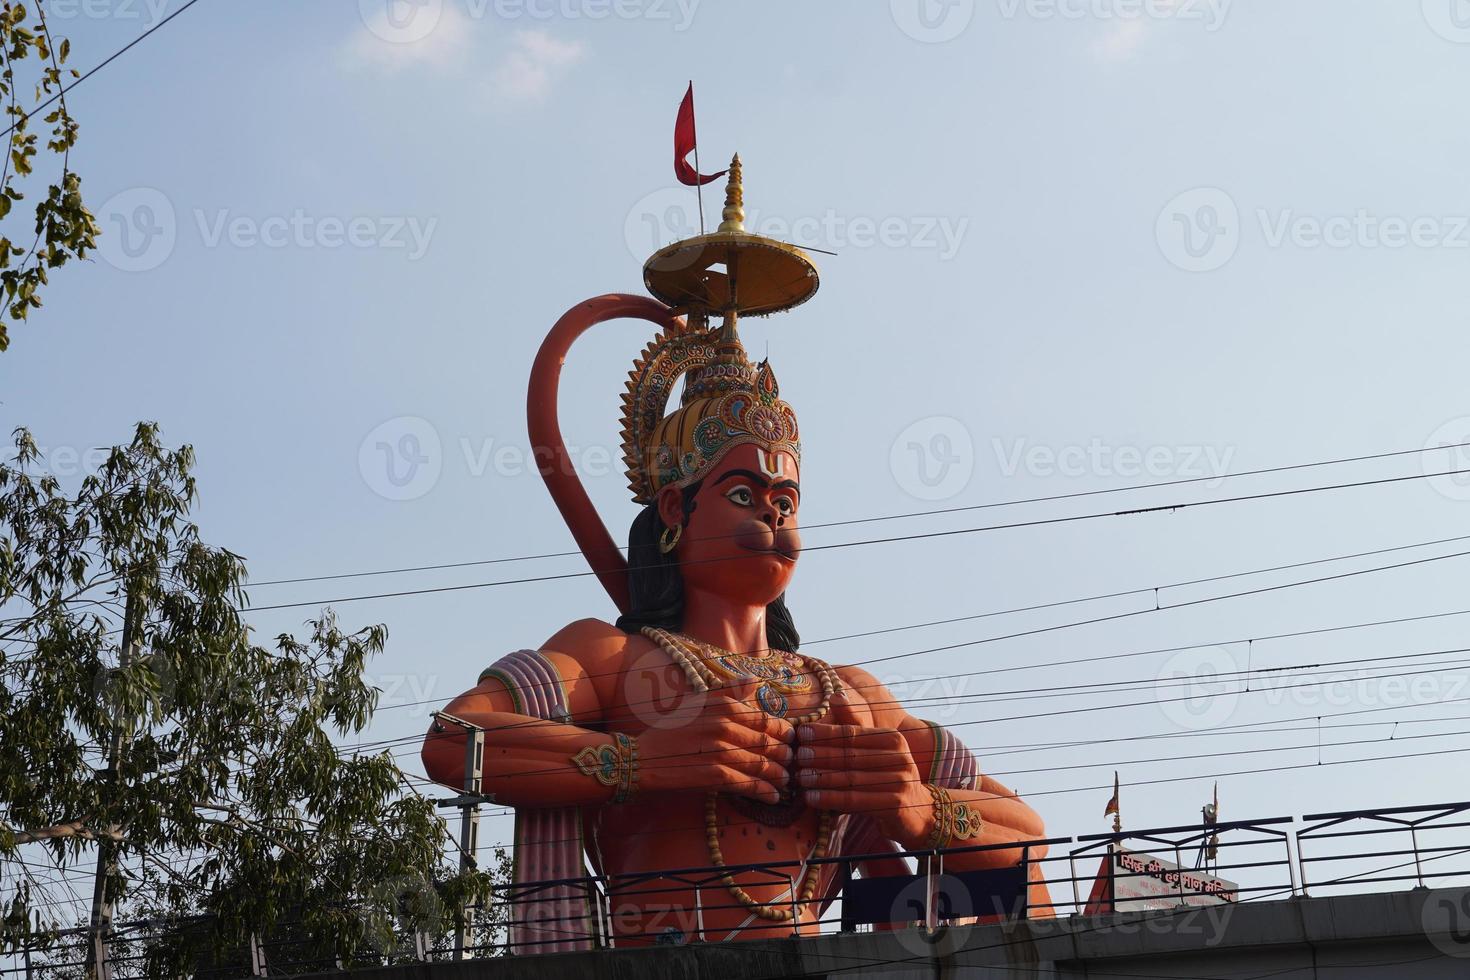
1415	935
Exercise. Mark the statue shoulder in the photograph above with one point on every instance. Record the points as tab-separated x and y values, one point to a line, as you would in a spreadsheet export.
863	684
592	640
600	652
863	687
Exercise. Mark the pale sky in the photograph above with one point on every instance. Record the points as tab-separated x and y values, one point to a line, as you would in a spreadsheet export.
1082	244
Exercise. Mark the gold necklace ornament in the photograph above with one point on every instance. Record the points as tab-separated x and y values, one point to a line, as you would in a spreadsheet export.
707	667
782	674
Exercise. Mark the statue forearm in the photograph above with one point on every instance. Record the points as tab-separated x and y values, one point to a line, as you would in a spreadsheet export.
959	806
531	762
959	818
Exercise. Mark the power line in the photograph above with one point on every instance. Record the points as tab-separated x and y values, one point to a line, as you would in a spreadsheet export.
891	517
1094	688
1142	590
1062	626
1099	787
417	737
101	65
1438	668
922	536
1041	665
1077	789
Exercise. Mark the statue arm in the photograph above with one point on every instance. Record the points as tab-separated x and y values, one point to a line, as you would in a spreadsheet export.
549	741
541	713
926	754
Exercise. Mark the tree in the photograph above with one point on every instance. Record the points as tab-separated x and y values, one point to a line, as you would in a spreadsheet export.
64	228
142	726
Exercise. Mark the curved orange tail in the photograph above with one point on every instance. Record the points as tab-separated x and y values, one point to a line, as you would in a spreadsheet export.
550	452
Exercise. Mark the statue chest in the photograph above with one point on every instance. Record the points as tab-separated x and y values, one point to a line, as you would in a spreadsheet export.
656	693
682	676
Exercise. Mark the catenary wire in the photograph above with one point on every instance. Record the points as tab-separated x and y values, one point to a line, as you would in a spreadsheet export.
894	539
443	566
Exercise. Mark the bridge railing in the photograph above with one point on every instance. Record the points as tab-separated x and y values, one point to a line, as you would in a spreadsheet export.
1419	846
1170	867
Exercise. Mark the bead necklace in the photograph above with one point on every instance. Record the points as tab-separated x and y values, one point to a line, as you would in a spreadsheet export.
808	886
707	667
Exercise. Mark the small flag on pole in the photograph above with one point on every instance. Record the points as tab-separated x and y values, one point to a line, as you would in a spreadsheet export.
1112	807
686	143
1212	817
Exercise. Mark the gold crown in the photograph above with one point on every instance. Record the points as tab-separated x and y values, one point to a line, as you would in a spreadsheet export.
727	402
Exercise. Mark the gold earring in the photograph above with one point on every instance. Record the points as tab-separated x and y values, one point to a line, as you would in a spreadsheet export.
667	544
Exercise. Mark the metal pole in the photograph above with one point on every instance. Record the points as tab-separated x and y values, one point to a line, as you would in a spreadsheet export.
699	911
101	922
698	182
929	897
1026	883
604	914
1414	840
257	958
847	924
1072	867
469	824
1294	865
795	912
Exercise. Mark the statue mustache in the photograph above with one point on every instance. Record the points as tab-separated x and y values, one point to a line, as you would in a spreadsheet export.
756	535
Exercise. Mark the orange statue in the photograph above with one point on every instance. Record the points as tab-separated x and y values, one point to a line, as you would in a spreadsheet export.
693	734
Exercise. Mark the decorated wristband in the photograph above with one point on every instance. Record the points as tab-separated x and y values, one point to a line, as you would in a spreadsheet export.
952	821
614	765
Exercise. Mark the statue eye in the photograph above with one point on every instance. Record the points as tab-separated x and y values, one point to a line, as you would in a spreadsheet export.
786	506
740	496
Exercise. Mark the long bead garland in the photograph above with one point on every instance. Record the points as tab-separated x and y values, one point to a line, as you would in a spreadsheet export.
694	658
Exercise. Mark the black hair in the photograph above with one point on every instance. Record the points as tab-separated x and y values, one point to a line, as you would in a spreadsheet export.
656	586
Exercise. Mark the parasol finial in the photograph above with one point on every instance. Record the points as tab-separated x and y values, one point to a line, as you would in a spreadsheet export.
734	213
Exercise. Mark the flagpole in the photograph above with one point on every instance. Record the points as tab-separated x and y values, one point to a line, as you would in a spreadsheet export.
698	183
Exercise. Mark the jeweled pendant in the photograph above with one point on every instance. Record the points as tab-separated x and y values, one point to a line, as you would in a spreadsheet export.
772	702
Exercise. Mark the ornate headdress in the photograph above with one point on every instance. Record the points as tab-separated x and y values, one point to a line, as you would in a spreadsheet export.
727	402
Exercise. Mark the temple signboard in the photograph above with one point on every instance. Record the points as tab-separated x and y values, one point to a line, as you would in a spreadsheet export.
1132	881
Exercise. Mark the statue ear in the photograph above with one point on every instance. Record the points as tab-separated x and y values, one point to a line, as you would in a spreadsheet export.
670	504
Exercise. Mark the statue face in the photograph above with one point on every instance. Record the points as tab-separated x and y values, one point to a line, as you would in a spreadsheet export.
741	541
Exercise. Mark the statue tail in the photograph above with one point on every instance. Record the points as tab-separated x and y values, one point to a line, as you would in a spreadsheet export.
550	452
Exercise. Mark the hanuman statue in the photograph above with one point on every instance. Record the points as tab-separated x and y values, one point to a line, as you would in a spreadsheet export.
692	733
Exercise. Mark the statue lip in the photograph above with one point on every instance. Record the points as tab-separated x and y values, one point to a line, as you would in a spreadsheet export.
774	552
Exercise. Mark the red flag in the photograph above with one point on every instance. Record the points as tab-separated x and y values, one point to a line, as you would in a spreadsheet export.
684	144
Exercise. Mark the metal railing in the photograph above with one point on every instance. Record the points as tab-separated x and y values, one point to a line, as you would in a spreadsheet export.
1262	860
